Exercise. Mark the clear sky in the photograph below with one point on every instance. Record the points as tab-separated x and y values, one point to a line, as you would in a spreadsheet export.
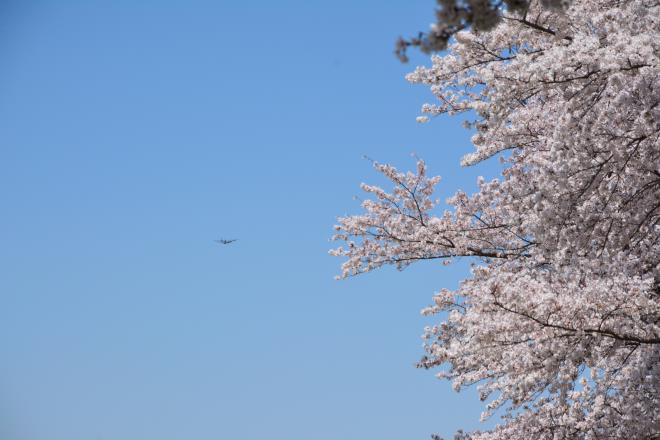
133	134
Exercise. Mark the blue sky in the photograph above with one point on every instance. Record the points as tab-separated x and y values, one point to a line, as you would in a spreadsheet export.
132	135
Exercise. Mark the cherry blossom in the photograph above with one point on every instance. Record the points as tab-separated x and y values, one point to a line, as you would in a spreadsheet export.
558	324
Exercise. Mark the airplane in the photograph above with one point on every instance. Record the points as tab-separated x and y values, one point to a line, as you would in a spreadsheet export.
223	241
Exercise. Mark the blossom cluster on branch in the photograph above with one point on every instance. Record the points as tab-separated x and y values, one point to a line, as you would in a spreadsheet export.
452	16
559	323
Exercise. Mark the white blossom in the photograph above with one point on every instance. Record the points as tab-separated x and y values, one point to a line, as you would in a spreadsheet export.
559	322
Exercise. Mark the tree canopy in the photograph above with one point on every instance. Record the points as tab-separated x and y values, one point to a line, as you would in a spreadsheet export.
559	323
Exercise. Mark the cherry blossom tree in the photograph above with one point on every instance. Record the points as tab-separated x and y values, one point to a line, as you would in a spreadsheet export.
559	323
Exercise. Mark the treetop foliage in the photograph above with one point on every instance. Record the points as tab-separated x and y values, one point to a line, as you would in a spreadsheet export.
453	16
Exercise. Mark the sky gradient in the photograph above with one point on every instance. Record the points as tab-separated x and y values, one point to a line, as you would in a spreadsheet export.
134	134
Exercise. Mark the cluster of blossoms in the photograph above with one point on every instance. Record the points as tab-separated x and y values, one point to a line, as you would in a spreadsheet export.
452	16
559	323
